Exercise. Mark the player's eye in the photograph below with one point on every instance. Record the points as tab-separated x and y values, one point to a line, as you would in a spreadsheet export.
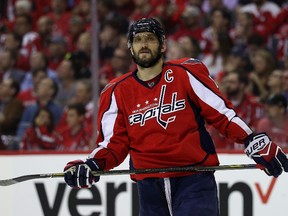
137	39
151	38
145	39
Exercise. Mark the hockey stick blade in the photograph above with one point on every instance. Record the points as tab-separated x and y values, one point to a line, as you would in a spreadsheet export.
8	182
19	179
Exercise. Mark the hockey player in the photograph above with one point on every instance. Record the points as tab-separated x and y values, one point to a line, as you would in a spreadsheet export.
157	113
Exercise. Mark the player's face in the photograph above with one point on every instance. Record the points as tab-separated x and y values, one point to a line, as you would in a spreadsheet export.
146	49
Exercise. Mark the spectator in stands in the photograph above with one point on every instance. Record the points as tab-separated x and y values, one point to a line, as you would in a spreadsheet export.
46	92
8	66
259	24
23	26
81	57
106	9
274	82
197	3
144	8
237	60
84	43
23	7
16	8
44	30
4	13
81	64
246	106
83	95
57	49
12	42
182	47
219	23
262	8
285	84
190	24
75	136
119	64
263	64
220	50
124	7
210	5
173	13
60	16
83	9
174	51
280	33
76	27
244	27
275	123
285	62
40	7
108	39
37	61
191	46
264	13
28	96
10	111
40	136
66	84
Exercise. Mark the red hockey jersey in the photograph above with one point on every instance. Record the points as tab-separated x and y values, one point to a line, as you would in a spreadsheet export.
164	125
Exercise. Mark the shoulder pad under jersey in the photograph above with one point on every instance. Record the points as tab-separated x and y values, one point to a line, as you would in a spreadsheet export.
190	61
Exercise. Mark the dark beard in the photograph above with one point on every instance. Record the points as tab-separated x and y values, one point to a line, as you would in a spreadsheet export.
149	62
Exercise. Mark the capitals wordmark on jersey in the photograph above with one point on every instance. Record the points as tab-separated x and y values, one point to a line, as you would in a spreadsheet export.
159	110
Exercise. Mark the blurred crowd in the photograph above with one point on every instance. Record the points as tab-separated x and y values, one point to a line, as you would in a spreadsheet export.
45	62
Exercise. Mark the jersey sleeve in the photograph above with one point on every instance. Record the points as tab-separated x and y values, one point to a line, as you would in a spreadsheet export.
112	140
216	110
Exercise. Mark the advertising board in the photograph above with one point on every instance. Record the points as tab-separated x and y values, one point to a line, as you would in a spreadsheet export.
241	192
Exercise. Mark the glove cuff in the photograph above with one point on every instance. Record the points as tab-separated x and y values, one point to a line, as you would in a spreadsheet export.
93	165
252	136
73	163
255	143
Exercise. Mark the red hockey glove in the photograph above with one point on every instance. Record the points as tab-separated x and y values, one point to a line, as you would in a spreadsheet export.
263	151
78	173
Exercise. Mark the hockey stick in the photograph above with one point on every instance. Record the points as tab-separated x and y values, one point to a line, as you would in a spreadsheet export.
19	179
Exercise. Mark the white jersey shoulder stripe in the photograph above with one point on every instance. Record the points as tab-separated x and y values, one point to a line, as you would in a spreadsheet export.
209	97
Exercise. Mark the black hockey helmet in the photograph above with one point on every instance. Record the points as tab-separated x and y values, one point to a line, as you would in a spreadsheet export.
146	25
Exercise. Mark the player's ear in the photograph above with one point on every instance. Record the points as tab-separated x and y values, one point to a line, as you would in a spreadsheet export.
164	46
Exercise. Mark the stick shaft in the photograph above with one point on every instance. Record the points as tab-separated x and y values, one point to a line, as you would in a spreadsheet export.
19	179
178	169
